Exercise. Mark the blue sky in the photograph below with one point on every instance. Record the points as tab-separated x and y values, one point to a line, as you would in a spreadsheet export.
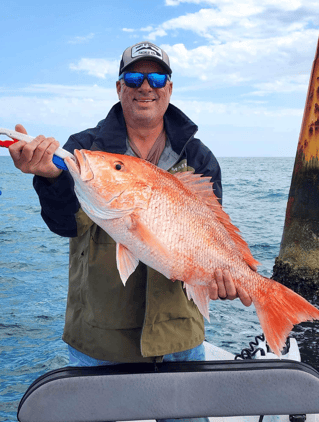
241	68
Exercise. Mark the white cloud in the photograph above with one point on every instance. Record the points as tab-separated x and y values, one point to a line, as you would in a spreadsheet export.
147	28
282	85
69	106
160	32
60	110
199	22
241	42
243	18
281	4
257	47
255	61
245	128
81	40
239	114
97	67
93	92
58	105
178	2
55	110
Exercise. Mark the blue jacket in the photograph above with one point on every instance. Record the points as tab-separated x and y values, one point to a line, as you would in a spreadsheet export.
58	201
150	316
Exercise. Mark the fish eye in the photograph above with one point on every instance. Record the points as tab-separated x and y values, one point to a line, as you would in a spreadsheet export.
118	166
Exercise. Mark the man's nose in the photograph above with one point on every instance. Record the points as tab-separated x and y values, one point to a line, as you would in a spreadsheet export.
145	86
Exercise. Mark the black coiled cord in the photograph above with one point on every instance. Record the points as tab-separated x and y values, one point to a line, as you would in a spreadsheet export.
250	352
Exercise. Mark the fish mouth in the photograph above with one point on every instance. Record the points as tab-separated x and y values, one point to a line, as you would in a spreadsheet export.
73	163
79	164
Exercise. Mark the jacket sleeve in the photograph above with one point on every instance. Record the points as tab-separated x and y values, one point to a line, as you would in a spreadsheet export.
58	204
58	201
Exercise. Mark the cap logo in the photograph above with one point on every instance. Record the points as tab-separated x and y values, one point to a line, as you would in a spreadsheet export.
145	49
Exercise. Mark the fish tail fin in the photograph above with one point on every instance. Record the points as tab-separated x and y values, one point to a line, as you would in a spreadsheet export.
200	296
278	310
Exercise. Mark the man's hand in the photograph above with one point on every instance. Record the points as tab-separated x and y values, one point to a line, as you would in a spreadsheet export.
35	157
223	287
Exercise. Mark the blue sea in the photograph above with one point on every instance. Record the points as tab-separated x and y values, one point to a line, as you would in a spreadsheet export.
34	269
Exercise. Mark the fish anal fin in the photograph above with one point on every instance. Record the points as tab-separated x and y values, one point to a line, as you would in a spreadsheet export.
203	188
126	262
279	309
200	296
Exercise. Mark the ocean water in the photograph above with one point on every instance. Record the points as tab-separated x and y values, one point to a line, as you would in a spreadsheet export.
34	270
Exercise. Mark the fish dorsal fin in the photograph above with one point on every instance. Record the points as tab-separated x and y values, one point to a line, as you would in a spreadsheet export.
203	187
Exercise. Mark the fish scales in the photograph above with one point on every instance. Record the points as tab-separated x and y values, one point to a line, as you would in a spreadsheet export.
185	221
174	224
170	228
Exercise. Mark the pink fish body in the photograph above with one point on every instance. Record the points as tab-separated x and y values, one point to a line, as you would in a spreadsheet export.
174	224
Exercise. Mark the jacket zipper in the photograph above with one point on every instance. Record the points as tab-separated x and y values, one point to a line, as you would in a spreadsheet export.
145	313
184	147
147	288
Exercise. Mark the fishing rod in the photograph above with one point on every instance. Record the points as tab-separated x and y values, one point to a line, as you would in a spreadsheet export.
58	157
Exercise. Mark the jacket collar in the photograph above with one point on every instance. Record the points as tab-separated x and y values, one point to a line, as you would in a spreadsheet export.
112	134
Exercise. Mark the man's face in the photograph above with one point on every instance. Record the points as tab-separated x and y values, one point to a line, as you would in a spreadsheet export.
144	105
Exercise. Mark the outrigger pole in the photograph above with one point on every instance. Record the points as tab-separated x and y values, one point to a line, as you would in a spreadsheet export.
297	265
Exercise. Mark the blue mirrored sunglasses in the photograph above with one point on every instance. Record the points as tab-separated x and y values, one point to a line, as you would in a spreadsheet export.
135	79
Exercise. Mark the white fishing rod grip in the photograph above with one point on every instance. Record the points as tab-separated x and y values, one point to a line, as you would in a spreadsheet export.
59	155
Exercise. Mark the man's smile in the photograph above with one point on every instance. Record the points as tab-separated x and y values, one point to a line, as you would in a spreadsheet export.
144	101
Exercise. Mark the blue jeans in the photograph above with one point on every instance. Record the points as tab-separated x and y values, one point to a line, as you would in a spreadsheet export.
197	353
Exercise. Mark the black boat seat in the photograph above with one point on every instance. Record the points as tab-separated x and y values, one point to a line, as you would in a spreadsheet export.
172	390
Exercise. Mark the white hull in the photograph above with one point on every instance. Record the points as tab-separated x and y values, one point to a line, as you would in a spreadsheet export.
216	353
256	385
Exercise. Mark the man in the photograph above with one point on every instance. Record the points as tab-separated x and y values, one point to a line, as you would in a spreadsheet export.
150	318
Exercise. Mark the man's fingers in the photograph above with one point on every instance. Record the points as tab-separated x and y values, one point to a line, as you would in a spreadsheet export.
213	290
225	288
16	149
21	129
54	145
229	286
219	277
244	296
35	157
27	154
44	150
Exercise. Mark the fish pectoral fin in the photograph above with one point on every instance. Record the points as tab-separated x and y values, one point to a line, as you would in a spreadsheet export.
146	236
126	262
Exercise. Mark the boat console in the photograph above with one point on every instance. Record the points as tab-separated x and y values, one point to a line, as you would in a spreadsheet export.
172	390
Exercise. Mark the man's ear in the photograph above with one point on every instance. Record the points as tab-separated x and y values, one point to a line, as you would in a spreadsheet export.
118	89
171	87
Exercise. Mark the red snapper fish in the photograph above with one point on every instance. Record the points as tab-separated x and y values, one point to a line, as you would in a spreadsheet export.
175	224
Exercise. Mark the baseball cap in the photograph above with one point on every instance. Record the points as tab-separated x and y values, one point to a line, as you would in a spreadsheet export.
147	51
